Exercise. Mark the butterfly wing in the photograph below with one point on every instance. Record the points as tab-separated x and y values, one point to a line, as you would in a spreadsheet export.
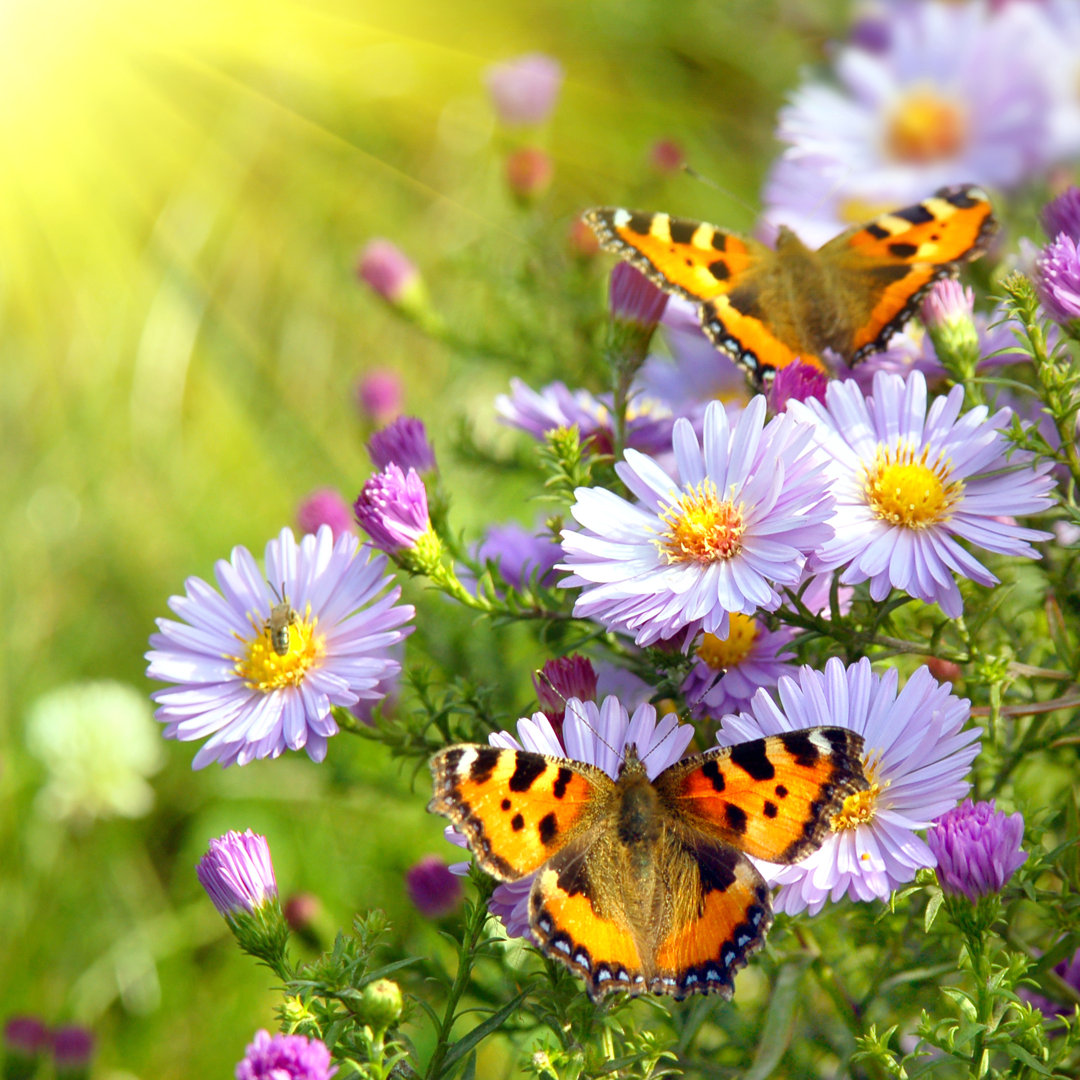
883	269
691	259
516	808
772	798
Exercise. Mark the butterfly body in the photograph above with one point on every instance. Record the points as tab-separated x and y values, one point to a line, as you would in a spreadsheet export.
769	307
643	884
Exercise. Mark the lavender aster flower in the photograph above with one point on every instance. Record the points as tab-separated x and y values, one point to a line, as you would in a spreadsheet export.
524	89
916	756
1062	215
633	298
392	509
1069	971
403	443
1057	279
432	888
520	554
747	509
599	735
910	482
955	92
977	848
285	1057
728	673
237	873
648	426
259	668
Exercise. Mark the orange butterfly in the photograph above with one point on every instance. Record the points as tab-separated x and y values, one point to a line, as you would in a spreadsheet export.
644	884
767	308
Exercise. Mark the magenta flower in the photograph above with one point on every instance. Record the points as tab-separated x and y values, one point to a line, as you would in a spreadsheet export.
380	396
747	507
285	1057
633	298
237	873
796	382
560	680
403	443
1057	278
388	271
1062	215
911	481
72	1051
977	848
524	89
599	735
25	1041
392	509
325	507
259	666
917	754
432	888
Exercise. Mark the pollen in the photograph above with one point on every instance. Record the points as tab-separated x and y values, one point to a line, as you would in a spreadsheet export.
263	669
903	489
701	527
721	655
860	807
925	127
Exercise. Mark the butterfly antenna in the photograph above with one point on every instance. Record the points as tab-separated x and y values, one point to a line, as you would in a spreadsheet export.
542	676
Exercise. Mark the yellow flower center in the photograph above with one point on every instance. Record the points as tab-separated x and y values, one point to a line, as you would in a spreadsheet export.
859	808
904	490
266	669
722	655
925	127
701	527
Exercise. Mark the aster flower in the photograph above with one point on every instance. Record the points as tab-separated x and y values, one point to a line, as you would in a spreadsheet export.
977	848
237	873
1062	214
561	679
1057	279
910	482
432	888
728	673
379	396
916	757
524	89
285	1057
633	298
235	684
25	1040
1053	28
392	508
390	273
519	554
324	507
741	519
796	382
648	422
403	443
598	735
72	1051
954	91
1069	971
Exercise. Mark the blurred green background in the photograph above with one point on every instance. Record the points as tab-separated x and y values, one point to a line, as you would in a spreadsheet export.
184	192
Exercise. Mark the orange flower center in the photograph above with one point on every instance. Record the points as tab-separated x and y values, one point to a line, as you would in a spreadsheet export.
702	527
722	655
904	490
926	127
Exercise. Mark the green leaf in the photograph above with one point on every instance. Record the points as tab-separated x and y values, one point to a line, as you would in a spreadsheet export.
779	1023
480	1032
933	906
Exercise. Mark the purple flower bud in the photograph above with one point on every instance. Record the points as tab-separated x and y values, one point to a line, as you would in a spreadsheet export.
389	272
1062	215
72	1049
523	90
392	509
285	1057
237	873
633	298
324	507
520	554
947	303
977	848
666	156
1057	278
403	443
380	396
25	1040
561	679
796	382
432	887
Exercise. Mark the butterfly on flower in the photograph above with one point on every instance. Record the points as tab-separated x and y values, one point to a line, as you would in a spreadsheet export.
768	308
645	885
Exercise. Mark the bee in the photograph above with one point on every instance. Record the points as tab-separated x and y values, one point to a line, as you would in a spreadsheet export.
282	616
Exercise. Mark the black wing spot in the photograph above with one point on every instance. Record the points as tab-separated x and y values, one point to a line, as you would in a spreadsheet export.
682	231
771	809
640	223
752	759
781	791
877	232
719	270
506	804
903	250
528	768
719	241
561	782
548	829
517	823
711	771
799	746
736	818
484	764
917	215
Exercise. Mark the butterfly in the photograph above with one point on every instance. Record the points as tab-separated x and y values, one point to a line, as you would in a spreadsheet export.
767	308
645	885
